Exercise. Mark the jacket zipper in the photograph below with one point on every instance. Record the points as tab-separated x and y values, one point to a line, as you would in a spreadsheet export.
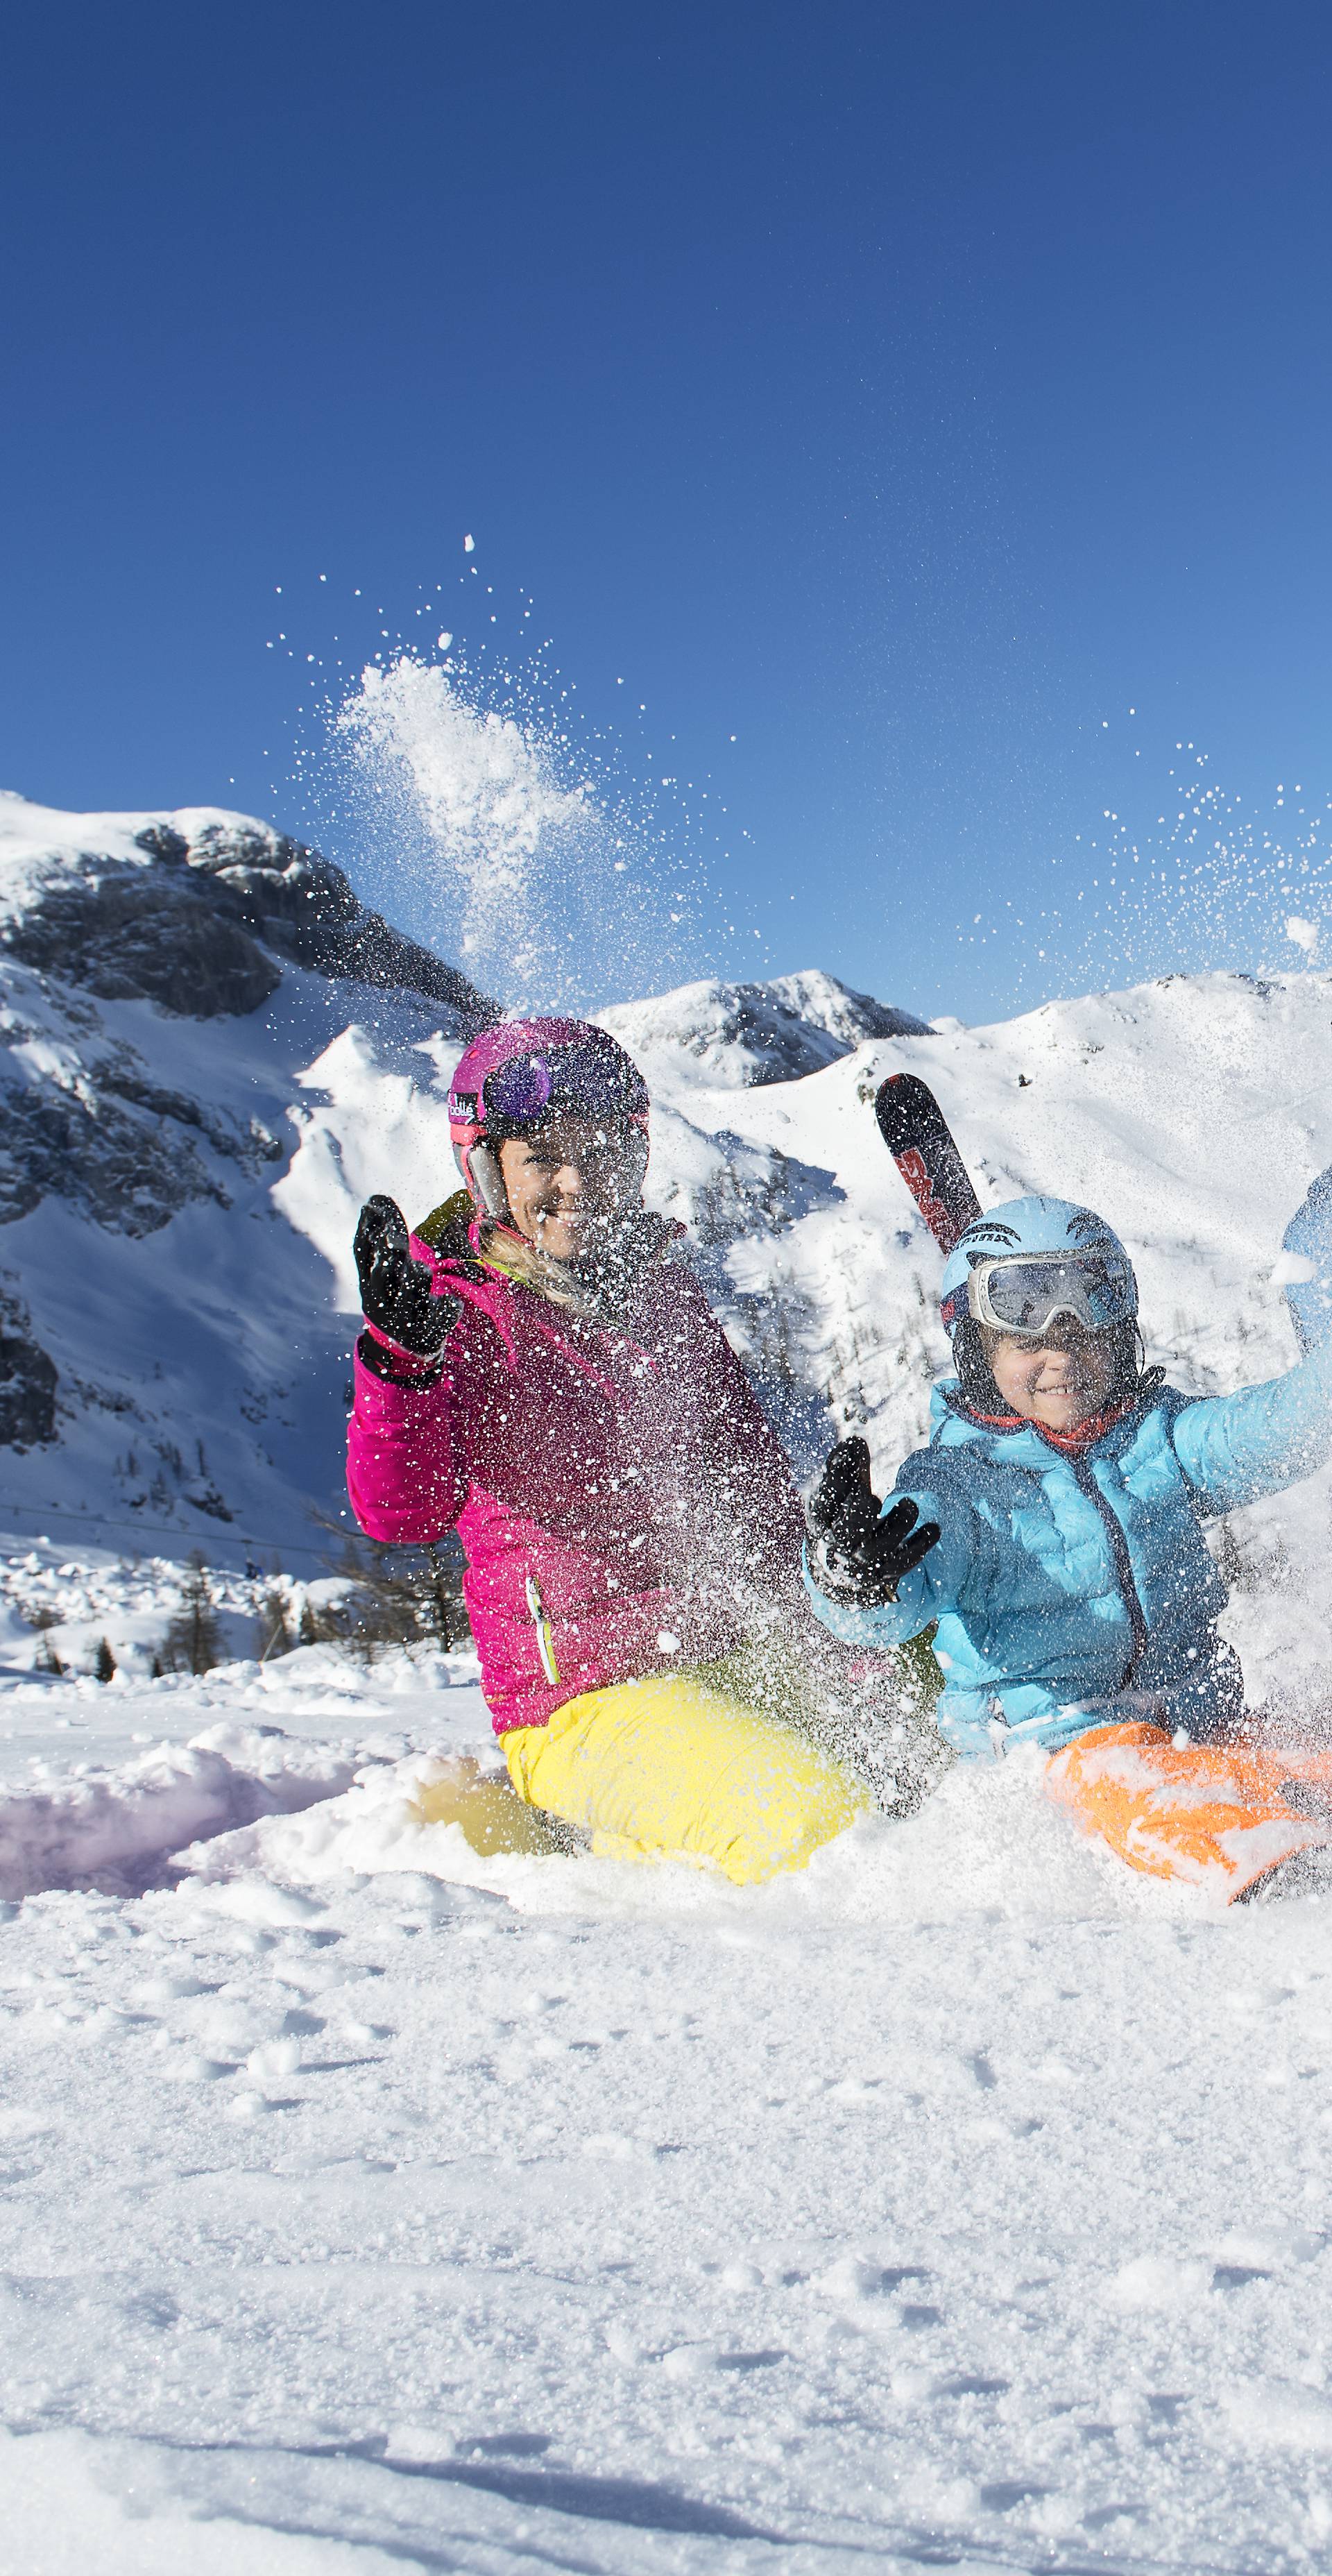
1123	1562
544	1633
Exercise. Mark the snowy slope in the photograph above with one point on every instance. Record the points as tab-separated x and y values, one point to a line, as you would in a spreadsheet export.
201	1357
963	2202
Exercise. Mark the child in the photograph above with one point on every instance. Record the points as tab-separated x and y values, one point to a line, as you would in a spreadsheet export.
1053	1530
541	1372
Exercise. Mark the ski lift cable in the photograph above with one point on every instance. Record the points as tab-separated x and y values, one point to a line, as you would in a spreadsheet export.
161	1529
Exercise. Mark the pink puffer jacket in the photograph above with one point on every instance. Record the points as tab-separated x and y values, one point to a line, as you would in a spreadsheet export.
623	1505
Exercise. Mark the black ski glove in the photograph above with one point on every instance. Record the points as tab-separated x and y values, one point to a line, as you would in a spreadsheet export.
856	1557
396	1292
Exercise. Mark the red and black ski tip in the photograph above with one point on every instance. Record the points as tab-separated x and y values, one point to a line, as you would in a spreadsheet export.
917	1135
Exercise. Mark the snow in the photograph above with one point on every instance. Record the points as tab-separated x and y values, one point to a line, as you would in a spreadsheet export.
378	2197
200	1339
483	789
371	2200
39	842
726	1034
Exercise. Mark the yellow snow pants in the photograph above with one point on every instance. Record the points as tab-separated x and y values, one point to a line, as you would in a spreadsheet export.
673	1764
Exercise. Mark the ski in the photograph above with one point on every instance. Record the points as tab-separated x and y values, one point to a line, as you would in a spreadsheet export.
918	1137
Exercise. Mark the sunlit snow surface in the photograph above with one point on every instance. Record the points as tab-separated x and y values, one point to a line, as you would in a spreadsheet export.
961	2202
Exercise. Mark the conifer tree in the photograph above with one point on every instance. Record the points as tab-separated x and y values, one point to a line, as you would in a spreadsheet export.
47	1660
275	1623
193	1641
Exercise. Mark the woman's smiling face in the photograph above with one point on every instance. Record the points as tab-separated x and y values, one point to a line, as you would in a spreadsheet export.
571	1183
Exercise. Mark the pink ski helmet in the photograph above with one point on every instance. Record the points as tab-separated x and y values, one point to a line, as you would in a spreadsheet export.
515	1074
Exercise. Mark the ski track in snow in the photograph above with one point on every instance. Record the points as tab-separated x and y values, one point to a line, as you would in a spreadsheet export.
962	2201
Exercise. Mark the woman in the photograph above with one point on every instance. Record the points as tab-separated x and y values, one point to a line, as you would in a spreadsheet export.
539	1370
1053	1528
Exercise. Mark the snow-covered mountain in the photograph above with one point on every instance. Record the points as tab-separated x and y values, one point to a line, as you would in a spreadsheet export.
203	1032
193	910
734	1035
211	1054
169	1357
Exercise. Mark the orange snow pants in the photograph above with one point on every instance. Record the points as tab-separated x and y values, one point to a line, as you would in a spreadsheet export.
1217	1816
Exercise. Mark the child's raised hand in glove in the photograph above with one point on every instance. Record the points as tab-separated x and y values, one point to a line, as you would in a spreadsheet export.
856	1556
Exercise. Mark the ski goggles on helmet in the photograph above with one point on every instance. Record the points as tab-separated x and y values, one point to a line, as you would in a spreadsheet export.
1028	1295
592	1081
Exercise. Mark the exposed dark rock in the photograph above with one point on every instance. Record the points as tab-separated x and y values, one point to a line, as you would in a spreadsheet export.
163	841
27	1380
756	1033
144	934
196	930
301	904
251	1147
129	1171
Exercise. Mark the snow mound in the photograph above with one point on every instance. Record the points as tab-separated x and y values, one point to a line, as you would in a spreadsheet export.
73	2502
110	1829
987	1844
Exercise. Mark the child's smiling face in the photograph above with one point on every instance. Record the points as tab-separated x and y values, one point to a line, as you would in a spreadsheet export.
1060	1379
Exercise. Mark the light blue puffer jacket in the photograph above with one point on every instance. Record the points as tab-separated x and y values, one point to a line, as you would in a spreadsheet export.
1075	1592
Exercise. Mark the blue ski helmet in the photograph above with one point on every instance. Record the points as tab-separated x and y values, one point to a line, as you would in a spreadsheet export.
1031	1229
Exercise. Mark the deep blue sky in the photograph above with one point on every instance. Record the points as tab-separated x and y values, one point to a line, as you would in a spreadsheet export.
908	392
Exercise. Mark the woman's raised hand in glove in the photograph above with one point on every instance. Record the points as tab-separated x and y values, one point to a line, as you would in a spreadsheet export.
397	1293
856	1556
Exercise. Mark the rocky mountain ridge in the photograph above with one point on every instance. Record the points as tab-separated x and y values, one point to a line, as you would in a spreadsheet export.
744	1035
196	911
203	1033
